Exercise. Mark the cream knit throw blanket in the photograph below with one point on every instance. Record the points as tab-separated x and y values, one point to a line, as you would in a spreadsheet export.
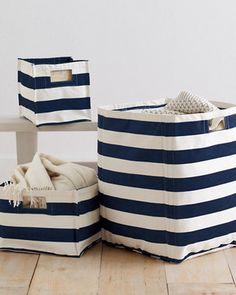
185	103
47	173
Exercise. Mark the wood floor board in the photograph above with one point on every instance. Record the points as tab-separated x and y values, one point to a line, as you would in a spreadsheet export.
13	291
125	272
16	270
66	275
210	268
202	289
231	259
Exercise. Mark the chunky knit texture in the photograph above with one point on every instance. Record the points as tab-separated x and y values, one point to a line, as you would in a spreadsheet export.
185	103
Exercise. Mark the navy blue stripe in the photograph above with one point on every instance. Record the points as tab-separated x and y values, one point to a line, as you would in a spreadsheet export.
166	237
29	104
49	234
49	60
145	107
168	211
88	205
159	128
62	123
62	104
231	121
165	258
63	209
153	128
45	82
167	156
165	183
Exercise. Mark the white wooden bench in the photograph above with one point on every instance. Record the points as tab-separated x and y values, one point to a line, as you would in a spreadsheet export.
27	134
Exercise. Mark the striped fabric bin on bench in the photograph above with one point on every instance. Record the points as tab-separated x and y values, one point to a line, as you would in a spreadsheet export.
167	184
54	90
67	226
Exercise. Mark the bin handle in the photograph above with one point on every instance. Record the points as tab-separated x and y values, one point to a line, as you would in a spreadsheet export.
216	124
34	202
61	75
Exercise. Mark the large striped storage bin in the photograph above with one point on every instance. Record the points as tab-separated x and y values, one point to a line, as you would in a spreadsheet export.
167	183
54	90
66	224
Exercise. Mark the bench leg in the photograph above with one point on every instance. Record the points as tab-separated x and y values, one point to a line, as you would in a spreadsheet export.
26	146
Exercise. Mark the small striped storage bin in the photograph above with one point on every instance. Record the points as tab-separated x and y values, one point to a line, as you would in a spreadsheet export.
54	90
67	223
167	183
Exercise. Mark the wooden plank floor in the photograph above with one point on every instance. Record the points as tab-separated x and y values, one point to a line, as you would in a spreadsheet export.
108	271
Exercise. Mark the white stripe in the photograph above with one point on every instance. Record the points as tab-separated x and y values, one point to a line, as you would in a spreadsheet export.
167	143
49	221
30	115
168	224
111	112
53	93
55	117
25	67
77	67
174	252
118	106
51	247
167	170
55	196
164	197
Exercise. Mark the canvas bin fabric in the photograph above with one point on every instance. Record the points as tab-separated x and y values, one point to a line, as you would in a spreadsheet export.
167	183
54	90
58	222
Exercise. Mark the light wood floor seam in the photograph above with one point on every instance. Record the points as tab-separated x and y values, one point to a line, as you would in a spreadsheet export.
33	274
100	270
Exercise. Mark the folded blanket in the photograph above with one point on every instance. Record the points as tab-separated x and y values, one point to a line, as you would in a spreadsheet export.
47	173
185	103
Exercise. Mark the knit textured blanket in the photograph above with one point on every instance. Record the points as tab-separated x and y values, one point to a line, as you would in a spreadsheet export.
185	103
47	173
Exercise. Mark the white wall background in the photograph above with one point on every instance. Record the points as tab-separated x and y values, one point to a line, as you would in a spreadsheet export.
138	50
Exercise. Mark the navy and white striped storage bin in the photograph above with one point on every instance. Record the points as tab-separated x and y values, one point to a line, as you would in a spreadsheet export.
67	226
167	184
54	90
